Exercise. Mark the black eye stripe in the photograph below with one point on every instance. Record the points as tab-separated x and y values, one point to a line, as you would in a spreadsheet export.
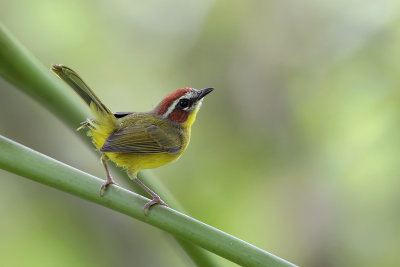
184	103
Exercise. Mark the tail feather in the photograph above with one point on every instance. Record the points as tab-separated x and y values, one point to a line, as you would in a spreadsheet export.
102	114
80	87
104	122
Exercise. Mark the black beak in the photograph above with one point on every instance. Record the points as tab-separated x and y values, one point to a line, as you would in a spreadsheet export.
203	92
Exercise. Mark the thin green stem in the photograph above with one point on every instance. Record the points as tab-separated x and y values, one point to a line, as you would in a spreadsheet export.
26	162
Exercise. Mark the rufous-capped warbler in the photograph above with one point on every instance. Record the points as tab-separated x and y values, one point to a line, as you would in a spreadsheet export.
138	140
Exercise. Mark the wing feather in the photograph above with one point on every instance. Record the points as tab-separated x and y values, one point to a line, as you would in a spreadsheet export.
144	137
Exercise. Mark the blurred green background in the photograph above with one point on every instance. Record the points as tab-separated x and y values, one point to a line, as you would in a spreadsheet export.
296	151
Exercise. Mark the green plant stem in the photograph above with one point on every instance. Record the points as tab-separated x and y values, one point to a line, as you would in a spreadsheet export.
33	165
23	70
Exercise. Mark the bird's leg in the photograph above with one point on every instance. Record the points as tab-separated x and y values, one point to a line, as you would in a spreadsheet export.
156	199
109	179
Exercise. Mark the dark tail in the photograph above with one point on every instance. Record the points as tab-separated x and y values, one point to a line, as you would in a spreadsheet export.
80	87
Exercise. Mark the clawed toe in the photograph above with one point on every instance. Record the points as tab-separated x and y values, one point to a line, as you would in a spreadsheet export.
104	186
154	201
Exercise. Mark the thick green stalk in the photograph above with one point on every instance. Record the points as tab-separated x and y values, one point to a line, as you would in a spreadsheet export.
23	70
26	162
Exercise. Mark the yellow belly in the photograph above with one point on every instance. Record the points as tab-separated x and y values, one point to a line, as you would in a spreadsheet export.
133	163
136	162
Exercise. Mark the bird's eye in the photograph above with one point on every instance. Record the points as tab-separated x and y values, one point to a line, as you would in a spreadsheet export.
183	103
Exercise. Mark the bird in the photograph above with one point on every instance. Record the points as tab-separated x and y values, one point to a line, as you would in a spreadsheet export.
138	140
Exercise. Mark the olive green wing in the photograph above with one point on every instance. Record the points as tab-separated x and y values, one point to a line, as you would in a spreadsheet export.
144	138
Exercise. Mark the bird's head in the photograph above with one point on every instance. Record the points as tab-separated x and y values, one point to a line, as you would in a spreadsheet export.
181	105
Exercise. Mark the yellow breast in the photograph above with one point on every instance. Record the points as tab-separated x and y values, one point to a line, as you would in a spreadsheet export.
136	162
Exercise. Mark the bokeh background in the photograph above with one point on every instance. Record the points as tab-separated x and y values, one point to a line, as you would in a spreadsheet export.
296	151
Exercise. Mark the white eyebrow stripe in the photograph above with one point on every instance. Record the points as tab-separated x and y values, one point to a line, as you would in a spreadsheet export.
171	108
190	94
